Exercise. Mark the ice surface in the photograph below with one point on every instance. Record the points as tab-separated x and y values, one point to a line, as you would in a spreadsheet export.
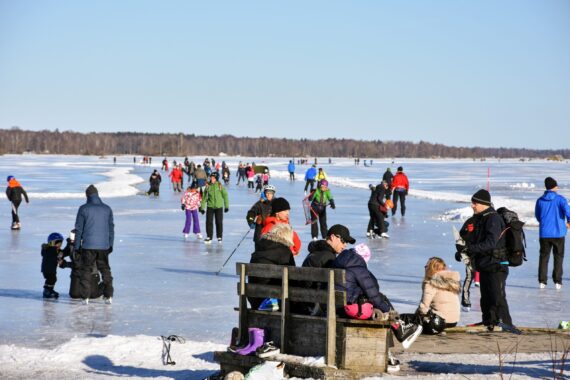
165	285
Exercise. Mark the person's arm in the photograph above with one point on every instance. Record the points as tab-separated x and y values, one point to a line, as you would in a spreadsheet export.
25	195
79	223
427	296
369	285
491	236
111	229
226	199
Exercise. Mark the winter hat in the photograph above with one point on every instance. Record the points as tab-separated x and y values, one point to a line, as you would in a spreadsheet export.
324	182
279	204
550	183
363	250
400	169
91	189
482	197
54	237
9	178
342	232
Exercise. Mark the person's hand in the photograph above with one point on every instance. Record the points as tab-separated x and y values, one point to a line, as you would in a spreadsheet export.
332	204
182	207
202	211
110	249
252	225
226	209
458	256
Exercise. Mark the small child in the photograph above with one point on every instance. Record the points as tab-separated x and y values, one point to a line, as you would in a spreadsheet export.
190	204
51	254
259	183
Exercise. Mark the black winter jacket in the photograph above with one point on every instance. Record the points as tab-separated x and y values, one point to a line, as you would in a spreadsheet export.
377	195
321	255
14	194
360	281
49	259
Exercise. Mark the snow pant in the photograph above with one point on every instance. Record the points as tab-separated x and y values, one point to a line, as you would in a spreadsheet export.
75	284
310	182
466	290
318	212
218	214
291	176
494	298
177	186
376	218
100	258
250	184
402	196
241	177
50	279
557	247
153	190
192	218
15	205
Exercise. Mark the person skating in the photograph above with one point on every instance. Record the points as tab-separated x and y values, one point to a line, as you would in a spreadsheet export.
95	233
200	177
400	187
310	176
51	253
487	253
154	180
321	175
14	193
226	174
215	203
260	210
388	177
190	203
176	178
320	199
553	213
376	210
280	215
291	170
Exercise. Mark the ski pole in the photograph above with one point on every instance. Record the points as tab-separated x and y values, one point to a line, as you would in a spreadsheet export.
231	254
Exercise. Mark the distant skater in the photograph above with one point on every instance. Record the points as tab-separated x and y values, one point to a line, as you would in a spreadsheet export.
400	187
14	193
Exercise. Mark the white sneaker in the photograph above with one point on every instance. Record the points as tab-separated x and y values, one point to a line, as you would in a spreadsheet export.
385	235
108	300
477	284
85	301
207	241
466	308
542	285
198	236
315	239
185	236
219	240
368	234
558	286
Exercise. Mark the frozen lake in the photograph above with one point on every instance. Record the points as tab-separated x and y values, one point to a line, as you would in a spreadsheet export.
165	285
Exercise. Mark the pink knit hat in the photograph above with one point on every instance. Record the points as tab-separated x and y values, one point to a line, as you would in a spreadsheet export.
363	250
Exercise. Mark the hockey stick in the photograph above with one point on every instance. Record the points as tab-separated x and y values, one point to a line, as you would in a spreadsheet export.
231	254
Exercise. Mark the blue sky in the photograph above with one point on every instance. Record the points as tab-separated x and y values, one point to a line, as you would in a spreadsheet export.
463	73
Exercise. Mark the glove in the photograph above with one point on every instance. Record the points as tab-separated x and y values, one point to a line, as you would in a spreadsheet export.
182	207
332	204
110	249
458	256
252	225
202	211
226	209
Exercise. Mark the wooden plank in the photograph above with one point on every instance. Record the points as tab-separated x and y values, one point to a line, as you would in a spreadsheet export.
331	322
295	294
284	309
295	273
243	325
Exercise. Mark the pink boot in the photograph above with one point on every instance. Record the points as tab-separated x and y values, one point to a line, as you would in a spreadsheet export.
256	340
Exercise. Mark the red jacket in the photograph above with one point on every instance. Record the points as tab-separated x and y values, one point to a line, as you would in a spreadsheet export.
270	221
400	181
176	175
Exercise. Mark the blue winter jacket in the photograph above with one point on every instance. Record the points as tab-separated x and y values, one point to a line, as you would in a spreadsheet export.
310	174
94	225
360	281
291	167
552	212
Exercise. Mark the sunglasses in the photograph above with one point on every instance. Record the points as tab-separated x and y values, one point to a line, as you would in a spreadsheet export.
341	239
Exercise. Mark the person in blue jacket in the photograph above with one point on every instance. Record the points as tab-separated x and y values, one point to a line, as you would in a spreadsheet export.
95	232
310	175
291	169
552	212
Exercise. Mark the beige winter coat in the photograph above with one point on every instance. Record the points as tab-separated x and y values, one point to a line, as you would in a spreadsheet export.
441	294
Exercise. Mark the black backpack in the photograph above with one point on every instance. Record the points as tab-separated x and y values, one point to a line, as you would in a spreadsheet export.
515	241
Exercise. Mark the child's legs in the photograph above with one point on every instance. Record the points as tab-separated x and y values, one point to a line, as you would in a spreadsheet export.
187	222
50	280
195	222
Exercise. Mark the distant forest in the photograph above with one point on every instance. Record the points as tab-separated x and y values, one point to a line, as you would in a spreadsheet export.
18	141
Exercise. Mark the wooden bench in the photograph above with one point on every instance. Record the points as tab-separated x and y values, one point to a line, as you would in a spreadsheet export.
351	348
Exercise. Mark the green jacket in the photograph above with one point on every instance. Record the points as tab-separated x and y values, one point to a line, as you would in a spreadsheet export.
320	197
215	196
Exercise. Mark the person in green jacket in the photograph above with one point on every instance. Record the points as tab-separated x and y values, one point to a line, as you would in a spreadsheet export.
320	199
215	202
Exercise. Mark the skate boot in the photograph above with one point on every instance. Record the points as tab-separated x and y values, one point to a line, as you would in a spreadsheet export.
406	333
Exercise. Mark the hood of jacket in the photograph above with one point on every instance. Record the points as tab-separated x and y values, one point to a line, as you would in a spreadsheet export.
549	195
281	233
319	245
94	199
446	280
14	183
349	259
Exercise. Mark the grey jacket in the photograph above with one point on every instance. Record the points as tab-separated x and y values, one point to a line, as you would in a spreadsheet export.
94	225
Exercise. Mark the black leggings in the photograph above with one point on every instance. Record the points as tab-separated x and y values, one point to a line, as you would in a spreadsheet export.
211	214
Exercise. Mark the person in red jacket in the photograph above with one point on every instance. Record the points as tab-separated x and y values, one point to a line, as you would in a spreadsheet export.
280	214
176	178
400	187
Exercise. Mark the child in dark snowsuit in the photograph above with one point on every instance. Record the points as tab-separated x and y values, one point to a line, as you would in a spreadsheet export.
259	183
74	264
50	255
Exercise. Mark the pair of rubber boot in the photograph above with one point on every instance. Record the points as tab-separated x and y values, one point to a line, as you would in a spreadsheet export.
256	340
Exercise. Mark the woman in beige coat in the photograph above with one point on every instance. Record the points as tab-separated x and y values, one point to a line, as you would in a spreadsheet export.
440	292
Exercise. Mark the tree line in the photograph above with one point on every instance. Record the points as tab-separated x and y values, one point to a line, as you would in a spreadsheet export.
17	141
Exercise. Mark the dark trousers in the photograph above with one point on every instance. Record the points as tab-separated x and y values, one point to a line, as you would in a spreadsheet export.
310	182
376	218
402	196
494	298
15	205
50	278
218	214
557	247
291	176
466	291
319	212
100	258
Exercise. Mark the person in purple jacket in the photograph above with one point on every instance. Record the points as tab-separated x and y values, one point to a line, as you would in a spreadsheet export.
552	212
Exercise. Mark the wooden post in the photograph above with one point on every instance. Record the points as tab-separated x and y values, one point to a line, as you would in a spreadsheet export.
284	309
331	322
242	306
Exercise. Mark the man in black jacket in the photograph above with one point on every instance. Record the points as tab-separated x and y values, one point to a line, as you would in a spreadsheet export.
486	249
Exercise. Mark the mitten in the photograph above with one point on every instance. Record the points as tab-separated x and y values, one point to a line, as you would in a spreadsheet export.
252	225
182	207
226	209
202	211
332	204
